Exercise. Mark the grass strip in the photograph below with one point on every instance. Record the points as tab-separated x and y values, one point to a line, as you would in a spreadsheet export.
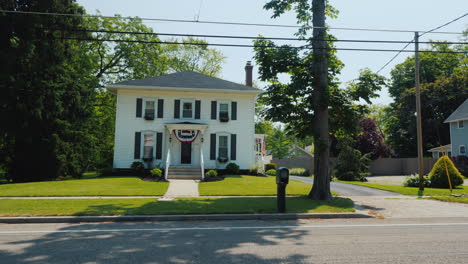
452	199
146	206
105	186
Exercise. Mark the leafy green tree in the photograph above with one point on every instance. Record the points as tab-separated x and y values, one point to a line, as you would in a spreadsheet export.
280	144
444	79
44	100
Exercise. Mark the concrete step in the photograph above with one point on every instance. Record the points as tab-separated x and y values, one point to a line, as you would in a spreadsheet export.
185	177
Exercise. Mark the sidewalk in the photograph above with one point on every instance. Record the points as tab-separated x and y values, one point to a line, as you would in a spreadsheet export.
182	188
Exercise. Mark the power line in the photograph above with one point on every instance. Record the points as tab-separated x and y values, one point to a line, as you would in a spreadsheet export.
249	37
219	22
246	46
426	32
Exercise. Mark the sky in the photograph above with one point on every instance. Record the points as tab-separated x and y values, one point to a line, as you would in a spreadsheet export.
414	15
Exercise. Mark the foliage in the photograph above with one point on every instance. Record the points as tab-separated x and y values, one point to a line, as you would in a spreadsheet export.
156	173
413	181
350	162
45	93
443	88
271	172
461	162
299	172
211	174
270	166
279	144
439	177
371	141
232	168
138	168
264	127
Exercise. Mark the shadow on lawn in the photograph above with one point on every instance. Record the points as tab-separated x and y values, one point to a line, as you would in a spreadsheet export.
214	206
119	245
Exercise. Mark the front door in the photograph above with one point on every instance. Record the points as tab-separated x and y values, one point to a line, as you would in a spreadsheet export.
186	153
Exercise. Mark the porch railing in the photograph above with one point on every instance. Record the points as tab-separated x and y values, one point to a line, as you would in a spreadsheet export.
168	163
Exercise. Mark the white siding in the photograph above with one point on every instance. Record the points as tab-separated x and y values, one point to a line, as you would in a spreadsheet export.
127	124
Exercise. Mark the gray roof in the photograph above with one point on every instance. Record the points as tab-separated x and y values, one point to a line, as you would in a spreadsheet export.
185	79
460	113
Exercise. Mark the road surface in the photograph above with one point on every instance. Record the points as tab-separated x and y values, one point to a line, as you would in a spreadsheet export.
245	242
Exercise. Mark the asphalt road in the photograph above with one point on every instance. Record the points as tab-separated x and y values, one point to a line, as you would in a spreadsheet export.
246	242
349	189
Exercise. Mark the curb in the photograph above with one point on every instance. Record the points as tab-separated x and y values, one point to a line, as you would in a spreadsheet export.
210	217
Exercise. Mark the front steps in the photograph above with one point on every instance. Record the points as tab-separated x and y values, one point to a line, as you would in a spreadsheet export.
184	172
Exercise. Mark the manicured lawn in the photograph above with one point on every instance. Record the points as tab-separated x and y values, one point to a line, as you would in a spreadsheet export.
146	206
451	199
251	186
89	186
411	190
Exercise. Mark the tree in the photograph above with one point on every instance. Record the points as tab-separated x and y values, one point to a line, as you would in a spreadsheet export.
280	144
44	100
444	79
370	141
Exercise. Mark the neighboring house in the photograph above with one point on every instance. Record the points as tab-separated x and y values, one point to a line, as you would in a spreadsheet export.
437	152
185	121
458	121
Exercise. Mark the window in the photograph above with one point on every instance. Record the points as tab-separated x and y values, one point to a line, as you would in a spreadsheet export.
461	124
149	109
148	145
223	148
462	150
187	110
223	112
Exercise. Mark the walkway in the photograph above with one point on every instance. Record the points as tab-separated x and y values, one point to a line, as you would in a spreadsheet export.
182	188
350	189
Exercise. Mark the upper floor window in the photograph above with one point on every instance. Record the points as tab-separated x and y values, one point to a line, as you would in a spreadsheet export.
149	109
223	112
462	150
187	110
461	124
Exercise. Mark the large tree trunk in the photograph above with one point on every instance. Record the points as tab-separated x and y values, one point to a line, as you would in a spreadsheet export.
321	188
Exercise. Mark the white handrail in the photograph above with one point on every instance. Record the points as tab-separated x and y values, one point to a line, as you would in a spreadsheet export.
168	162
202	164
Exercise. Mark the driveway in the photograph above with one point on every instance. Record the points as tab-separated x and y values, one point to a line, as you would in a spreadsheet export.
349	189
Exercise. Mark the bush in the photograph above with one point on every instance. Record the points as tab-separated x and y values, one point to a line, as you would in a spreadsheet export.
299	172
107	171
350	162
413	181
271	172
211	174
438	174
156	173
232	168
138	168
270	166
253	170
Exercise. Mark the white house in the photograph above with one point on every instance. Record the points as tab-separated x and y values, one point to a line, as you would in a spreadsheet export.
186	121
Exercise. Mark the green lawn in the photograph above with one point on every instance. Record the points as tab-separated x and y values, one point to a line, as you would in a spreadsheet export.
251	186
89	186
146	206
451	199
410	190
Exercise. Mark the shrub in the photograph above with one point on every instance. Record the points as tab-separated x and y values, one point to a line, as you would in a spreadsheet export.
350	162
156	173
253	170
270	166
232	168
107	171
138	168
299	172
211	174
413	181
438	174
271	172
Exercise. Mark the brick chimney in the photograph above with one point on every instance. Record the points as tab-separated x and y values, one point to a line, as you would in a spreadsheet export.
248	73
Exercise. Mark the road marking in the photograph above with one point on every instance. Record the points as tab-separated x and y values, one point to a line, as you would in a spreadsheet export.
222	228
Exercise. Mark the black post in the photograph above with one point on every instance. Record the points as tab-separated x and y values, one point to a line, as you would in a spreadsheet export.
281	197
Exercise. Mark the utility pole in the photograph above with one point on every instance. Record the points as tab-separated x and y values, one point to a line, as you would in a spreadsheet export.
418	112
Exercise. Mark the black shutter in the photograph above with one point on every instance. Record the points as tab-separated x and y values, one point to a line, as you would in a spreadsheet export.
213	147
177	109
160	108
214	104
159	137
137	145
234	111
233	146
139	104
197	109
